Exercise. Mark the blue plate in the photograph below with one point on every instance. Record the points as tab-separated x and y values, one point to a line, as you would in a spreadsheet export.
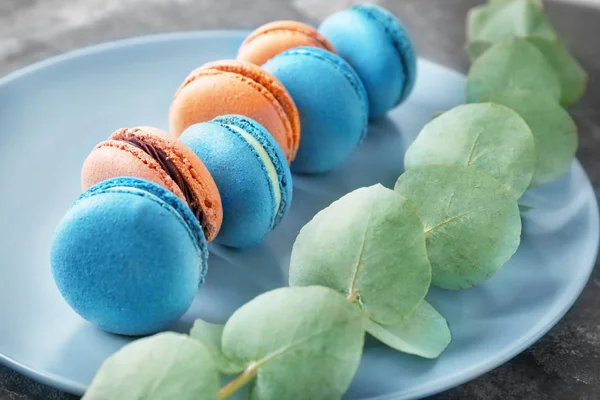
53	113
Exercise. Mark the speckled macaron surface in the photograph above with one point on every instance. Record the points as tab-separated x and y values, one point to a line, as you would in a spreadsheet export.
379	48
155	155
275	37
251	172
129	256
332	103
236	87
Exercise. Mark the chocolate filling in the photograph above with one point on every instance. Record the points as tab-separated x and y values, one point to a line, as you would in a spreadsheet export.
171	169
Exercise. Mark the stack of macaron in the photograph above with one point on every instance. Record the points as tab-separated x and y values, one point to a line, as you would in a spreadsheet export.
131	252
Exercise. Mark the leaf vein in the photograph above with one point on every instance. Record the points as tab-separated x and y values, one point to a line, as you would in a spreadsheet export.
450	220
473	148
282	350
351	290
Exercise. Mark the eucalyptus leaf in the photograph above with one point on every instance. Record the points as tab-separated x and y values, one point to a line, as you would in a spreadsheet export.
538	3
573	78
163	366
477	48
511	64
210	335
498	20
490	137
301	342
523	208
425	333
472	222
370	246
554	131
437	114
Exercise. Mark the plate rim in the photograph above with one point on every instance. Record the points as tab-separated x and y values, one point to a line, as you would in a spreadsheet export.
534	333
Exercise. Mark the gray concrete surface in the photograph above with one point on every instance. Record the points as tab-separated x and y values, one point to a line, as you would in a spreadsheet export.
565	364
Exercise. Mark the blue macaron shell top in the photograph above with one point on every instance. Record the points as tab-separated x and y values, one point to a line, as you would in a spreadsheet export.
129	256
247	194
344	68
332	104
260	133
379	48
169	198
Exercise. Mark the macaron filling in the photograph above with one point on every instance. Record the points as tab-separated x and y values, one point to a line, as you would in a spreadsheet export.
167	165
268	163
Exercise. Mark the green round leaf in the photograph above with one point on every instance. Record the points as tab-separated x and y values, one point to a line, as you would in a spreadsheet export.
472	223
477	48
163	366
425	333
538	3
498	20
523	208
554	131
486	136
511	64
573	78
303	342
370	245
210	335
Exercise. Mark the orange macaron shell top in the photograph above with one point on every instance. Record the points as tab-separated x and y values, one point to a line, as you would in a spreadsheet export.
113	158
275	37
234	87
119	157
273	85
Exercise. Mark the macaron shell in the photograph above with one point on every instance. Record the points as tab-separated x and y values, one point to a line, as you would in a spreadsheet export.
401	39
275	37
277	158
212	93
113	158
275	87
124	258
332	105
191	168
246	190
369	46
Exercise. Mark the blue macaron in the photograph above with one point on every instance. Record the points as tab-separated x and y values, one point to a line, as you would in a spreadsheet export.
251	172
129	256
332	103
379	48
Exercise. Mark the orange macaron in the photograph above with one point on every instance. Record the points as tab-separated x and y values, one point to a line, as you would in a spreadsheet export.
160	157
236	87
275	37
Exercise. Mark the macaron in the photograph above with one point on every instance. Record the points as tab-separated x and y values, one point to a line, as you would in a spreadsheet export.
275	37
379	48
129	256
235	87
157	156
331	101
251	173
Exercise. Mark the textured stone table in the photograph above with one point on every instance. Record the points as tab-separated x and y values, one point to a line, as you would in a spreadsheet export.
565	364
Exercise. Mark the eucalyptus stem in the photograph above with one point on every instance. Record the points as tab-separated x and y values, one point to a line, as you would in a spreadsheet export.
352	296
239	382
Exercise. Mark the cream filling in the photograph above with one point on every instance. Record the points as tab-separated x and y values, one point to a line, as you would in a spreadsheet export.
264	156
